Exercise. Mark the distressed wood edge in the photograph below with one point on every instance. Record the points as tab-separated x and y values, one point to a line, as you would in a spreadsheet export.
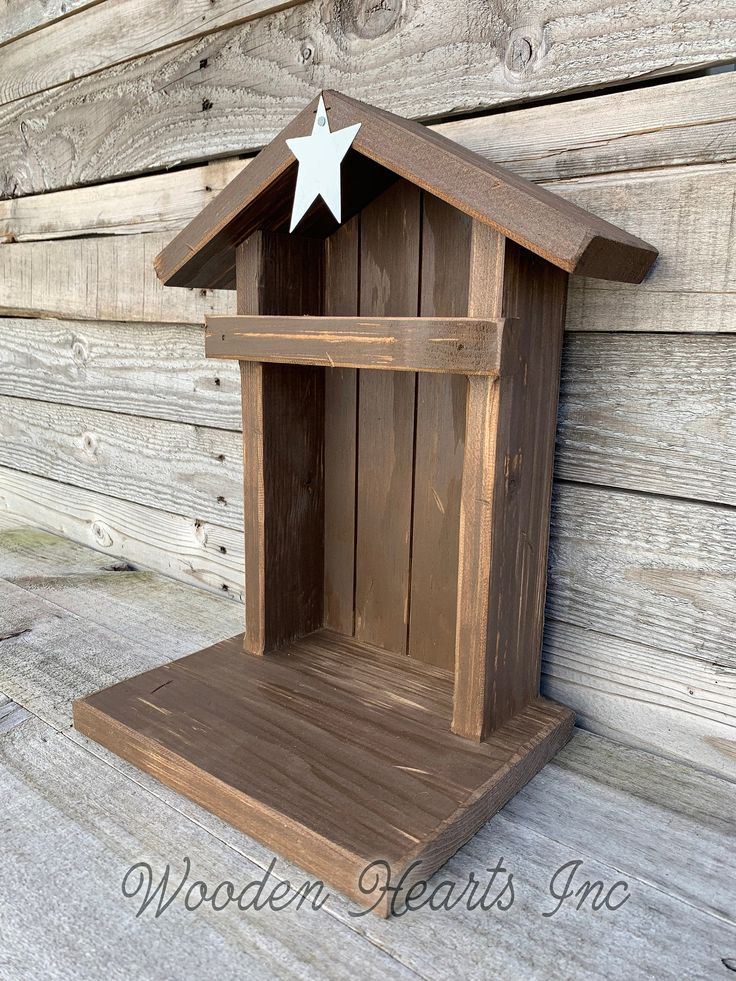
459	345
603	250
334	864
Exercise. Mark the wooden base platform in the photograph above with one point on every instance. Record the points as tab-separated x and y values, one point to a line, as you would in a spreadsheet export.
330	752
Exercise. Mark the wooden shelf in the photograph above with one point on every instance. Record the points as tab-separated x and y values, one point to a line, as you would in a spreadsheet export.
331	752
460	345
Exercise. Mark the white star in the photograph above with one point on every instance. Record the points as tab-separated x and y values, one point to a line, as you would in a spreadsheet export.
319	156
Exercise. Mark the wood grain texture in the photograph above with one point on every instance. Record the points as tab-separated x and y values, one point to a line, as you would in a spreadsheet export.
152	203
110	824
458	345
640	694
475	551
18	17
390	230
153	370
653	812
386	145
283	451
353	730
653	571
683	122
54	586
71	279
422	63
690	288
11	715
685	211
649	800
686	122
507	482
650	412
626	401
342	270
101	35
188	549
439	444
170	466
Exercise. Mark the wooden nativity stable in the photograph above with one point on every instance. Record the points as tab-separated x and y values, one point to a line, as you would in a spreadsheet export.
400	371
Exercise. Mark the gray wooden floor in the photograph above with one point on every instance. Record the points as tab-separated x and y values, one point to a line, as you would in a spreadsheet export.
74	819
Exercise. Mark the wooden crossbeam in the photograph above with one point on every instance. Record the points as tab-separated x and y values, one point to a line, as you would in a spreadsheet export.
458	345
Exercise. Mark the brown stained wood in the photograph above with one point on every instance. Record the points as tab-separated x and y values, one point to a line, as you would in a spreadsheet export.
456	345
389	286
561	232
506	501
440	441
342	265
283	432
348	760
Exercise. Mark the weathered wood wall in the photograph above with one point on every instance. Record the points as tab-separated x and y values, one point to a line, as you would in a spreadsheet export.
116	432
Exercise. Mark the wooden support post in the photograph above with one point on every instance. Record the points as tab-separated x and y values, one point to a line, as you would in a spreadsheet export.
507	481
283	435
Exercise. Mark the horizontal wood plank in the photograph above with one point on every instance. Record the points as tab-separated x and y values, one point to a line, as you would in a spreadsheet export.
680	210
659	807
688	122
184	548
46	578
646	412
171	466
156	370
670	124
75	278
641	695
154	203
18	17
687	213
101	35
232	91
459	345
645	569
650	412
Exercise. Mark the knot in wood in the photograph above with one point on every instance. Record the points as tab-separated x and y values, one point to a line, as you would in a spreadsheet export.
367	19
101	534
80	353
520	53
306	54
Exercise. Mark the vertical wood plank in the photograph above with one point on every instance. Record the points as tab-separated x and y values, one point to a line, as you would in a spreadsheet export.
535	292
440	441
389	285
507	482
485	298
283	431
341	446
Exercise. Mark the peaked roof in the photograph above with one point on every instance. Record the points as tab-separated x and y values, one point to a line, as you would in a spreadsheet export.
386	147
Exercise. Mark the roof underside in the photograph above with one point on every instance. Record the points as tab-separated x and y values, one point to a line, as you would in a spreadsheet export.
386	147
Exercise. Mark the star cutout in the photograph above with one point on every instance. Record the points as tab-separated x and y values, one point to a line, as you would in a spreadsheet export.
319	156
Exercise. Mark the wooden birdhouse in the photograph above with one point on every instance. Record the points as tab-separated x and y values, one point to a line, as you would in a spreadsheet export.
400	303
